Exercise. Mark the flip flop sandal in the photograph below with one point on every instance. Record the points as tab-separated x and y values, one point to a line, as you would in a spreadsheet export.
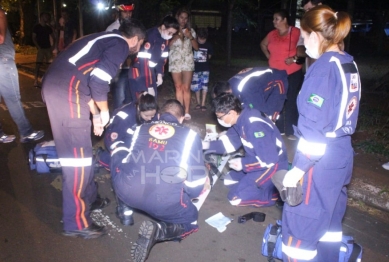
187	117
203	108
197	107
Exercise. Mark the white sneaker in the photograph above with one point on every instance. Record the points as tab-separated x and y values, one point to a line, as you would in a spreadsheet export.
386	166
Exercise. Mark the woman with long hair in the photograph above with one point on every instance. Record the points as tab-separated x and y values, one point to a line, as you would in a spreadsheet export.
181	62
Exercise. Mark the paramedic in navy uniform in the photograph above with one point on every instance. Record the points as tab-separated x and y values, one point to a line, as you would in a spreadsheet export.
161	147
328	106
75	85
250	180
146	73
261	88
123	123
119	85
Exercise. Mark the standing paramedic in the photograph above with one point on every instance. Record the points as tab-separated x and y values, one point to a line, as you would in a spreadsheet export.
159	174
328	106
250	180
75	85
146	72
120	86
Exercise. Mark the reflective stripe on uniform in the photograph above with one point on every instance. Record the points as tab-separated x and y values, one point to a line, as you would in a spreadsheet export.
343	103
76	162
101	74
184	160
235	202
88	46
165	54
263	164
144	55
279	145
247	78
152	64
298	253
227	144
332	237
134	138
246	143
122	114
311	148
130	131
187	149
122	148
115	144
255	119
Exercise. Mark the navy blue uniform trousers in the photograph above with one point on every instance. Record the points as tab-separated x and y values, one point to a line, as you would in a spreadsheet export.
324	204
71	126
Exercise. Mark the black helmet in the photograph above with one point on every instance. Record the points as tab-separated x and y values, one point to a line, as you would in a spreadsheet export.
124	5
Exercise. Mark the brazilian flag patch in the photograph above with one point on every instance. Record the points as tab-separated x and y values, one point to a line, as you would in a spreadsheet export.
316	100
259	134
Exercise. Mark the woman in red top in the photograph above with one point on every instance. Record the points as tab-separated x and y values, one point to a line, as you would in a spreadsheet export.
280	47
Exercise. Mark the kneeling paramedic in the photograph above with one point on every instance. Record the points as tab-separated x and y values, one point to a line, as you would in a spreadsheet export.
250	180
159	174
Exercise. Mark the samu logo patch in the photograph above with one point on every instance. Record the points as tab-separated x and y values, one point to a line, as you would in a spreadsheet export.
316	100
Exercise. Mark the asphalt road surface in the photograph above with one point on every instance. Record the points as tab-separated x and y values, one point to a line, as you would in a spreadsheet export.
30	215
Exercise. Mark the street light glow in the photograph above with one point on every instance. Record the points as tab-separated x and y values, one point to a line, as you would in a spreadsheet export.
100	6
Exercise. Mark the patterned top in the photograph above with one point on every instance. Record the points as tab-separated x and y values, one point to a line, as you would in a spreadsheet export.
181	55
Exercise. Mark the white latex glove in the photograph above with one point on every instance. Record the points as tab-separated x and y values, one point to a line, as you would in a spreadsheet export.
205	144
159	79
235	163
292	177
151	91
104	117
98	127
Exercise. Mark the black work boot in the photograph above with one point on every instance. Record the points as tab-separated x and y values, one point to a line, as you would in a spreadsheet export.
150	233
124	213
99	203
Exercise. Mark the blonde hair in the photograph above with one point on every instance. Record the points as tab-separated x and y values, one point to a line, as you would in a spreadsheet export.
333	26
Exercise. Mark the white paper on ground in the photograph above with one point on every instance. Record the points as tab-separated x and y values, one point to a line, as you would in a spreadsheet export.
219	221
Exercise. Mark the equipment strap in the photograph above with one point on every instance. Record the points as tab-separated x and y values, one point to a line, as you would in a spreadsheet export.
256	216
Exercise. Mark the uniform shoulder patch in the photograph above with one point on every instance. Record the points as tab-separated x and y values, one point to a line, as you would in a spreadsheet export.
316	100
114	136
147	45
351	105
259	134
161	131
354	83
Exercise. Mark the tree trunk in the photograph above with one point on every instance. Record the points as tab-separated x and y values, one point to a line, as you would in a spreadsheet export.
21	13
350	11
229	30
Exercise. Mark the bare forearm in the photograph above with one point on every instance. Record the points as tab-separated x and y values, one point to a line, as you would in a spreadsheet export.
102	105
265	51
